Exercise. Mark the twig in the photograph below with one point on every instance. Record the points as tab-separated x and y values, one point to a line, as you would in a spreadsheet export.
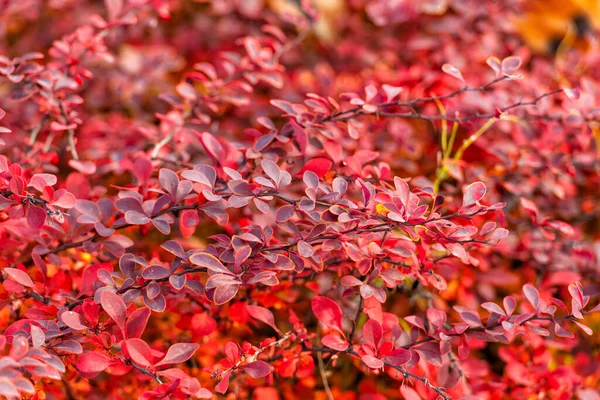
324	376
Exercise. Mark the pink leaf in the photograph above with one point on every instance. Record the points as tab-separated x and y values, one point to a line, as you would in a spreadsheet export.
73	320
305	249
509	305
138	351
335	342
495	64
572	94
436	317
453	71
85	167
391	92
93	363
472	194
532	295
178	353
493	307
208	261
186	91
409	393
372	362
510	65
114	9
585	328
19	276
114	307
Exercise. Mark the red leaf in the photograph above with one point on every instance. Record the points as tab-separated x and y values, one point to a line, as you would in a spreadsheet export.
335	342
320	166
36	217
409	393
398	357
178	353
138	351
257	369
114	307
224	383
232	351
93	363
136	323
203	324
373	332
328	312
264	315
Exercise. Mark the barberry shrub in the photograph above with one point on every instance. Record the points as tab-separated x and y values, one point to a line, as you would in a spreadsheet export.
282	200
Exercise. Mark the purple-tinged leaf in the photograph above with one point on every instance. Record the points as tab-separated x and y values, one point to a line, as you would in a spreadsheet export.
472	194
510	65
493	308
208	261
257	369
532	295
284	213
155	272
36	217
398	357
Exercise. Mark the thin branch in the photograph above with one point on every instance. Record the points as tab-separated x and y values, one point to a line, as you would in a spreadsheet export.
324	376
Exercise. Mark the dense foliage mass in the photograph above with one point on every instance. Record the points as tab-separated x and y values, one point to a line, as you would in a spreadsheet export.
366	199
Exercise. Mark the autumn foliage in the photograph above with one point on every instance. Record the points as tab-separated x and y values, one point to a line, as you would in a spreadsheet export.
365	199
